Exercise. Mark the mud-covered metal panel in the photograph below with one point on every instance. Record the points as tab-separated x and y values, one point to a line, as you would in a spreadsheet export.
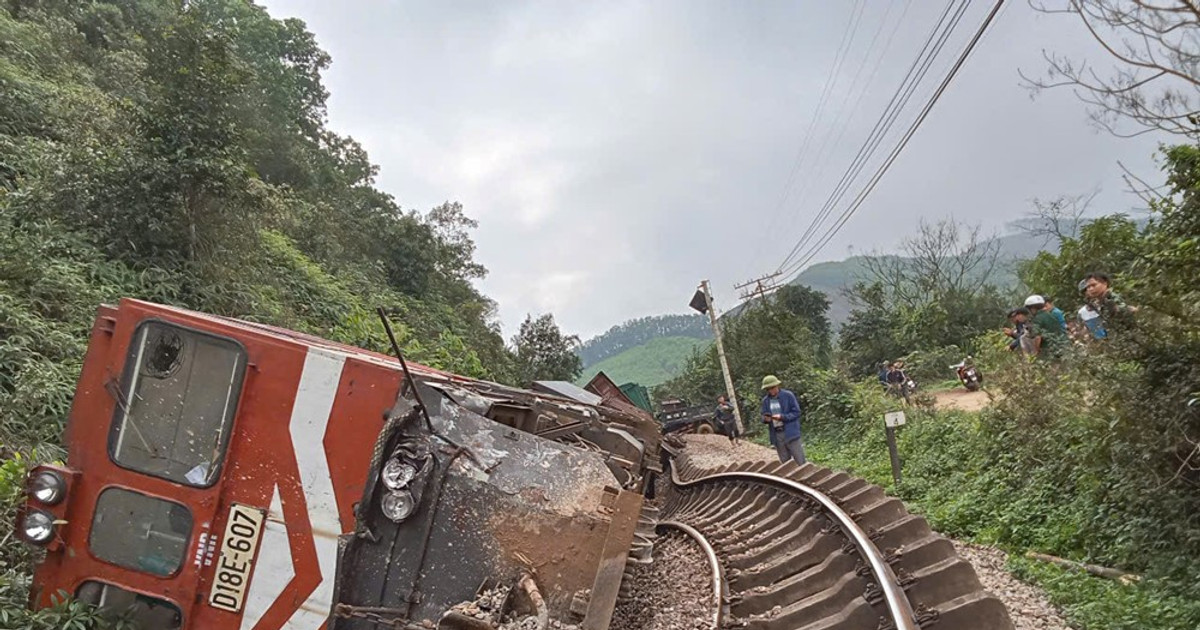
492	503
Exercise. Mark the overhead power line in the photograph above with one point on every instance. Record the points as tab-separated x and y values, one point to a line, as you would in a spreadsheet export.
847	113
848	35
879	173
934	42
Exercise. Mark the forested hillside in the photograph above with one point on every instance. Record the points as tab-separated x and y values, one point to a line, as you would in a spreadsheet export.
636	332
179	152
835	277
649	364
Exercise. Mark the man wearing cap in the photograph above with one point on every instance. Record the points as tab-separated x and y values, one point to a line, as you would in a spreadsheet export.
781	412
1020	331
1049	338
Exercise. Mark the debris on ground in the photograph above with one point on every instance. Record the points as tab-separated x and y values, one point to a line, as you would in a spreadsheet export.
489	608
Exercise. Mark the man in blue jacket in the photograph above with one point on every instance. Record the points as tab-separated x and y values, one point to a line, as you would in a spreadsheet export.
781	412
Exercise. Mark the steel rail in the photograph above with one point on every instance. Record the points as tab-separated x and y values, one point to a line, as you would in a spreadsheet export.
720	587
899	608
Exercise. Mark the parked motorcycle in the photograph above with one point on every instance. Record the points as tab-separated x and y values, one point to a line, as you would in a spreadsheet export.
968	374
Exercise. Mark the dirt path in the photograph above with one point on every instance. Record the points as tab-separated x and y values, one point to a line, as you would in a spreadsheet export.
960	398
1027	605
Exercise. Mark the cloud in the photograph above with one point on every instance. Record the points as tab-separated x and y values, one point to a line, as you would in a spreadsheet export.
617	153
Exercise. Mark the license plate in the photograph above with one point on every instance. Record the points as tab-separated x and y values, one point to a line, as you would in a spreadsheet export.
242	531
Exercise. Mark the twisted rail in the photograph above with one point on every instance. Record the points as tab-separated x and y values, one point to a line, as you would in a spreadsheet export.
896	601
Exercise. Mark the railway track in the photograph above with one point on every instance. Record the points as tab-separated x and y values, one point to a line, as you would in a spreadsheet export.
805	547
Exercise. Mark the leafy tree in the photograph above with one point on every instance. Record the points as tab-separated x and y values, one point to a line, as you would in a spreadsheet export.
812	307
1155	82
772	336
937	293
543	353
1104	244
872	332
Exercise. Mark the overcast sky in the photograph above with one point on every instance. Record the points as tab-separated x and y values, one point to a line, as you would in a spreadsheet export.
615	153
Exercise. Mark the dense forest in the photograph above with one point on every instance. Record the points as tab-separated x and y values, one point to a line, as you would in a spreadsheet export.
636	332
179	152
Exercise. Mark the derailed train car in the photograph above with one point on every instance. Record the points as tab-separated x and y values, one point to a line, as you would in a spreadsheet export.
478	488
228	475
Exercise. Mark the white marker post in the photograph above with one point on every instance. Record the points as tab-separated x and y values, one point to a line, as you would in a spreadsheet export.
892	420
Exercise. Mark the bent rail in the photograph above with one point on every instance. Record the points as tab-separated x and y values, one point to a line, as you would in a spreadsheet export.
810	547
898	606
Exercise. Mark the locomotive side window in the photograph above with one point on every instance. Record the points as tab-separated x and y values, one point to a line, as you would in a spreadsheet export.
124	608
140	532
178	398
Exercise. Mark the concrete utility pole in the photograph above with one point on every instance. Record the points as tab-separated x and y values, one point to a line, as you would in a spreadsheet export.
712	319
762	286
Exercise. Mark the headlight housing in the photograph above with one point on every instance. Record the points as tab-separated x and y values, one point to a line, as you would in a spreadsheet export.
398	474
397	505
37	527
47	487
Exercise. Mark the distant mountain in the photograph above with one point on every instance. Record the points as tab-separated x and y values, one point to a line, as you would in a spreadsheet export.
636	332
654	362
651	350
833	278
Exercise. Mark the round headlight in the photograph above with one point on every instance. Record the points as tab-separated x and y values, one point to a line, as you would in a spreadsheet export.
397	506
397	474
47	487
37	527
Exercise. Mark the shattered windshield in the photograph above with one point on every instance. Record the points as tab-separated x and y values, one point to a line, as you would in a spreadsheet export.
177	403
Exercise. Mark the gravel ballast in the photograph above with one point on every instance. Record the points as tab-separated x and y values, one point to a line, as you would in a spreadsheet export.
672	593
1027	604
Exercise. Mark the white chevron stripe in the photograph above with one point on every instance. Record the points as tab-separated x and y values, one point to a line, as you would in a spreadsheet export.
273	569
310	418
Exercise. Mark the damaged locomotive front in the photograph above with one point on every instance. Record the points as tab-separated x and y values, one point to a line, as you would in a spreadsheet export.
485	505
229	475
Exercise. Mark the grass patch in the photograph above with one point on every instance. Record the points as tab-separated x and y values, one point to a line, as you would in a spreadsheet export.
1093	603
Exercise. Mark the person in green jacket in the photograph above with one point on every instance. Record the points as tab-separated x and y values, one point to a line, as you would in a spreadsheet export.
1050	339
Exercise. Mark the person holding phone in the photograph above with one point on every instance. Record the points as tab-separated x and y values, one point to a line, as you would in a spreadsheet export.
781	413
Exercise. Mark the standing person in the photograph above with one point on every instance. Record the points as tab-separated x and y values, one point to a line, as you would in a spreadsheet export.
1049	337
1055	311
1103	301
725	419
883	373
781	412
897	381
